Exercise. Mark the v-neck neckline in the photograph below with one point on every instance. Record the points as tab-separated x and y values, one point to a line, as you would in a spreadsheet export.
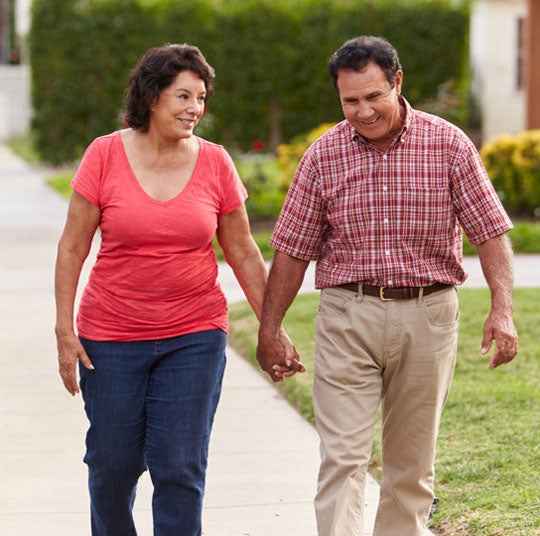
134	179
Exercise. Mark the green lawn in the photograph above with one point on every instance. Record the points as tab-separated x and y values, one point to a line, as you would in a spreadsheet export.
488	461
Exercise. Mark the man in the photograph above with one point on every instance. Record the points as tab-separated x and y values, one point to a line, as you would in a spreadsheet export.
379	202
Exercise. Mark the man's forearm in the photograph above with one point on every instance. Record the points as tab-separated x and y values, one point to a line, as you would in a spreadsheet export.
496	259
284	282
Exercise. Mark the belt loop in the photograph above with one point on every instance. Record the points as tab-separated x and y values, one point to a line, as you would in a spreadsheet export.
420	295
360	292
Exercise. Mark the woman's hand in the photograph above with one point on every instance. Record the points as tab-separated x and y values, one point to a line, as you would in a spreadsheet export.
70	350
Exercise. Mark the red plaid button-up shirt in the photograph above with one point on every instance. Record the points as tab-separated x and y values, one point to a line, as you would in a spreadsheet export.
392	218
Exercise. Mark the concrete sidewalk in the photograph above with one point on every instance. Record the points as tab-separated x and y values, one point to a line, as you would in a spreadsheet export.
264	456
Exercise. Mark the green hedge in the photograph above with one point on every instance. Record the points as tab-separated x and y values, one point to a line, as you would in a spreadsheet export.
269	56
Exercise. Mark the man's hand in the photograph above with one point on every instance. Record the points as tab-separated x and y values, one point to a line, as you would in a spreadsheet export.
500	328
277	356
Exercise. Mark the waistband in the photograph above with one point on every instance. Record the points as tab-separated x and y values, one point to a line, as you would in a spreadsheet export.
394	293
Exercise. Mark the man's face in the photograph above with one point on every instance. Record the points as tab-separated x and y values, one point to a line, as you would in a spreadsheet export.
370	103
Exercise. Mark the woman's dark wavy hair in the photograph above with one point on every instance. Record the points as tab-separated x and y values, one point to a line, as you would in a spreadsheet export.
154	72
355	54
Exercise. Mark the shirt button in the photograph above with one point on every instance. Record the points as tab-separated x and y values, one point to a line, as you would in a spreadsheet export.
390	282
387	252
384	188
386	221
385	157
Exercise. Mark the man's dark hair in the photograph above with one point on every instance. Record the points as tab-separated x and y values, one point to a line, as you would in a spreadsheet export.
156	71
355	54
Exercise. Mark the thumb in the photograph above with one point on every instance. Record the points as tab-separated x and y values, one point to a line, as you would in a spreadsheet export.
486	341
85	360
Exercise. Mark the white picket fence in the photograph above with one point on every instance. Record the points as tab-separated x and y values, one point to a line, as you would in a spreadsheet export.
15	106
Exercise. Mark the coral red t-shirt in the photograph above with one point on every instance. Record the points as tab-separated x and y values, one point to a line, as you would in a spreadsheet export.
156	272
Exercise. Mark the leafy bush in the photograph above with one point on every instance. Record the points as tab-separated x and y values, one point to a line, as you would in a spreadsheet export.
513	164
259	174
288	156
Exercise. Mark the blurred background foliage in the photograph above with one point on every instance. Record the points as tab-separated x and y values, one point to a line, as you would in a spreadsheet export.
269	55
513	164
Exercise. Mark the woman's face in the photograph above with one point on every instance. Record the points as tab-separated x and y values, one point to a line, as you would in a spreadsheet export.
179	107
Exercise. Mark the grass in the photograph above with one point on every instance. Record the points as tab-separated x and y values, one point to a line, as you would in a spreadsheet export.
488	456
24	148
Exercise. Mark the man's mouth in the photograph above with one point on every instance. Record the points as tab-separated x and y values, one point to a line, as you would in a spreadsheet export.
370	122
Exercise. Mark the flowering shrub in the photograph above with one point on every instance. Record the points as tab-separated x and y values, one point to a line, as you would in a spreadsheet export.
288	156
513	164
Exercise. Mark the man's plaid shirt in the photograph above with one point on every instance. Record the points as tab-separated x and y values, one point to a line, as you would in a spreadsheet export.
389	219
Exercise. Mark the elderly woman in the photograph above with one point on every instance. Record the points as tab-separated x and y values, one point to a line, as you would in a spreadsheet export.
152	321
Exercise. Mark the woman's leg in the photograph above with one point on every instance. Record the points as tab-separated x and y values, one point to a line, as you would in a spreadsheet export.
115	396
183	393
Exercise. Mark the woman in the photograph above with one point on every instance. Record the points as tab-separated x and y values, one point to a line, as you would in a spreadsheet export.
152	319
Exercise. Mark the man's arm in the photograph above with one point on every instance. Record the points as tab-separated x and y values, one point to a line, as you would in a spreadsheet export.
284	282
496	260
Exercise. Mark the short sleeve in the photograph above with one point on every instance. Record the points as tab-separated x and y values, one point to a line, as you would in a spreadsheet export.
233	191
88	177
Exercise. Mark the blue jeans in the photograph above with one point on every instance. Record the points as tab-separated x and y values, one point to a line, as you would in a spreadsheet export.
151	405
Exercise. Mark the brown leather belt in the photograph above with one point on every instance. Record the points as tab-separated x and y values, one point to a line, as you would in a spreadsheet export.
397	293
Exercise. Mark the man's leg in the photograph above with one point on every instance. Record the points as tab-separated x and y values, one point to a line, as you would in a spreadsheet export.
346	394
417	377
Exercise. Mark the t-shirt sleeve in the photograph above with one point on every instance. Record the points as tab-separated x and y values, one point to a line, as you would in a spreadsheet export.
87	179
233	191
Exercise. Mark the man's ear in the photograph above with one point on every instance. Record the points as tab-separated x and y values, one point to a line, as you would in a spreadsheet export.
399	81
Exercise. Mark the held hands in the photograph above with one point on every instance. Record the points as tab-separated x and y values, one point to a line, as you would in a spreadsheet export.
500	328
70	350
277	356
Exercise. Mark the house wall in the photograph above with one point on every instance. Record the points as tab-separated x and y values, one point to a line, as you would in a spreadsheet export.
15	109
494	60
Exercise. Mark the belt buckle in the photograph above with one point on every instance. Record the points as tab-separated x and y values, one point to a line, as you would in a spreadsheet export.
381	295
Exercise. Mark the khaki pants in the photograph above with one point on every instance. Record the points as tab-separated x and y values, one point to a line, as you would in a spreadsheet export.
400	354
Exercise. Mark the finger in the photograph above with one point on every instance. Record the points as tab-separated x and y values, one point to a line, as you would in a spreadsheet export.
276	376
502	358
296	365
70	381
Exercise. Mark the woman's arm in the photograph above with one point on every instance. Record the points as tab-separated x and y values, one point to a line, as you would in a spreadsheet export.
243	255
73	248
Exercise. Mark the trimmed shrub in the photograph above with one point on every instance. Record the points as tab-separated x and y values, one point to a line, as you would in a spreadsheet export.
513	164
269	55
